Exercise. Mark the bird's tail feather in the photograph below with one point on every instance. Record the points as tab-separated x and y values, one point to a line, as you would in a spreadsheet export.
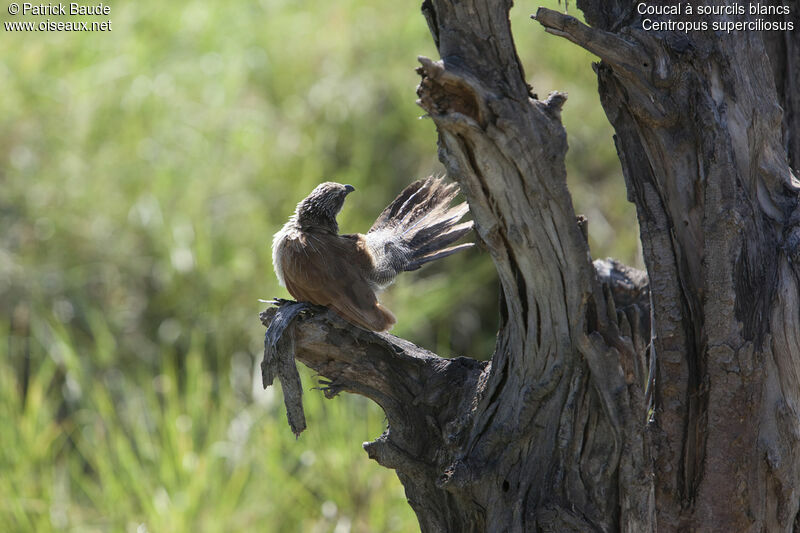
416	263
421	216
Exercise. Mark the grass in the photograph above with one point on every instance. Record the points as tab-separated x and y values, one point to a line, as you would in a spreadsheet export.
181	451
143	172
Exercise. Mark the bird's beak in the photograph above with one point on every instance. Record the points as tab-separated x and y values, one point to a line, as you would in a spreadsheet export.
349	188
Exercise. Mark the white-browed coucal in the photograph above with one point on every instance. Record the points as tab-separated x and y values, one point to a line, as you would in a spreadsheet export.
344	272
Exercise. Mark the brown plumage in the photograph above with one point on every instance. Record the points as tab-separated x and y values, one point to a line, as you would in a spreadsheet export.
344	272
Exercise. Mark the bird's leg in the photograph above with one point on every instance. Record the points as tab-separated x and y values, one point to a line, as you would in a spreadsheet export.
330	388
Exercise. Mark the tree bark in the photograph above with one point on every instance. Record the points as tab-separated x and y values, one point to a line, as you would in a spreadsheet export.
614	400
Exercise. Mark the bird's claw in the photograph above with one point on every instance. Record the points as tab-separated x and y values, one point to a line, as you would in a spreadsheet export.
330	388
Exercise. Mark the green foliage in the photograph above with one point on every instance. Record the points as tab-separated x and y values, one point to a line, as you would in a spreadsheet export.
178	451
144	171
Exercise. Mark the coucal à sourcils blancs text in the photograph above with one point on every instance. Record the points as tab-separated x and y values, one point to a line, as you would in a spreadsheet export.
345	272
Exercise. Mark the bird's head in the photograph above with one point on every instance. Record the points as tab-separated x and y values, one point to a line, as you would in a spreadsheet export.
319	209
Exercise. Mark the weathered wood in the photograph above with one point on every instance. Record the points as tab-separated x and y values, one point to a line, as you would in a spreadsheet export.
615	400
279	361
427	401
699	135
431	402
783	49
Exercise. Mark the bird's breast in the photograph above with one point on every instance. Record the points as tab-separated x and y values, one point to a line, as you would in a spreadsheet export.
287	238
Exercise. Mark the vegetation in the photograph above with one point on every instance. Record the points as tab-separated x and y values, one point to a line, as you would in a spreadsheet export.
144	171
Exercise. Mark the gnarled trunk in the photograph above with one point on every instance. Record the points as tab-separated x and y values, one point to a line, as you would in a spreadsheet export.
614	400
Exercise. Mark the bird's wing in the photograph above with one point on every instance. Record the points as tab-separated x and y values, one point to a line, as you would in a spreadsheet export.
328	270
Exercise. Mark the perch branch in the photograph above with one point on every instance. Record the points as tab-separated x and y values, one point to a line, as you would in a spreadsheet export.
418	390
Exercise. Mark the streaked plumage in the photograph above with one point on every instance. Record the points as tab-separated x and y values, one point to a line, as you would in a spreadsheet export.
344	272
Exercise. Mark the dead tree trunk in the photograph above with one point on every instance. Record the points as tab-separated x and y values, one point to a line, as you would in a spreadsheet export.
610	403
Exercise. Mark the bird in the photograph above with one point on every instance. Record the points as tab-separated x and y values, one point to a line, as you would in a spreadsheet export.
346	272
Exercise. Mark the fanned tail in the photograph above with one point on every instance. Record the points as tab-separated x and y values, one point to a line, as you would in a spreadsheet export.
420	225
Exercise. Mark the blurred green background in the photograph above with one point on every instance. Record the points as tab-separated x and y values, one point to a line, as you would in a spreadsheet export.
143	172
